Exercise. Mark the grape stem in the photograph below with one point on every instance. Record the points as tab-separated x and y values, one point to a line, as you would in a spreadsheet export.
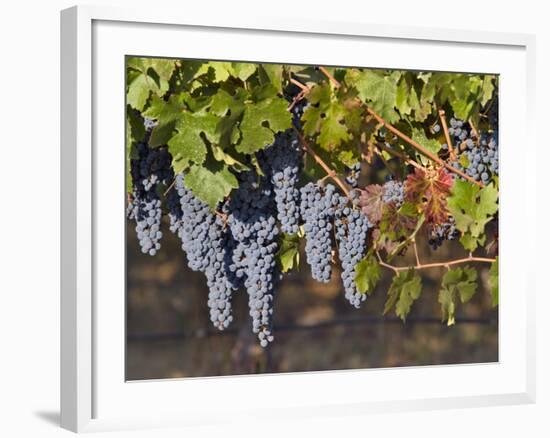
447	136
416	253
303	87
474	129
406	138
296	99
330	173
469	259
170	187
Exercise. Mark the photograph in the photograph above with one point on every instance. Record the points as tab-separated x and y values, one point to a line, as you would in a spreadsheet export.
285	218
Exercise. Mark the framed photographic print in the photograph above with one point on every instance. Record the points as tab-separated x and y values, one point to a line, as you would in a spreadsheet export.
260	208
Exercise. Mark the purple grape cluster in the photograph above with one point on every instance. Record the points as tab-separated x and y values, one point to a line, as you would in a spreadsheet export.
317	211
282	162
351	233
481	154
254	231
149	169
437	234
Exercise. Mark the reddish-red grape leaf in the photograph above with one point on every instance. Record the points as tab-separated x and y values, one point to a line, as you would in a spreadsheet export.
429	189
372	203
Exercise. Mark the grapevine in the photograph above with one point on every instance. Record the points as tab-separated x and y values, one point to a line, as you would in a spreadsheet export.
244	161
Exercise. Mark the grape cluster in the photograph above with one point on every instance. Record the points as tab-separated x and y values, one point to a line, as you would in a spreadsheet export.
437	234
394	193
220	288
151	167
481	153
351	233
460	134
282	162
317	211
352	175
205	242
195	226
482	158
253	226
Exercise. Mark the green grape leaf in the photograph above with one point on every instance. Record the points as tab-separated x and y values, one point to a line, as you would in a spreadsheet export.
146	76
377	89
139	90
136	130
188	144
255	134
212	183
402	97
333	130
406	98
367	274
405	288
459	283
487	89
273	74
289	252
227	158
230	108
222	70
243	70
154	107
493	282
166	114
326	116
472	209
189	70
432	144
162	133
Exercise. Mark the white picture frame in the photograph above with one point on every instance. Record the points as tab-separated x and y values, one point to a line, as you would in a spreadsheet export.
93	395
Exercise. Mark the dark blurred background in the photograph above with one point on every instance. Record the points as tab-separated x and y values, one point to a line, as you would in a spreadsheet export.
169	334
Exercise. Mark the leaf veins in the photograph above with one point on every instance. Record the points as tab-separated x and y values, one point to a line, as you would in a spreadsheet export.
429	190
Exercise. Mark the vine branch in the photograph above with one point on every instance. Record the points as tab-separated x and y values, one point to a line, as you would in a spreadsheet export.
447	136
330	77
469	259
331	173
